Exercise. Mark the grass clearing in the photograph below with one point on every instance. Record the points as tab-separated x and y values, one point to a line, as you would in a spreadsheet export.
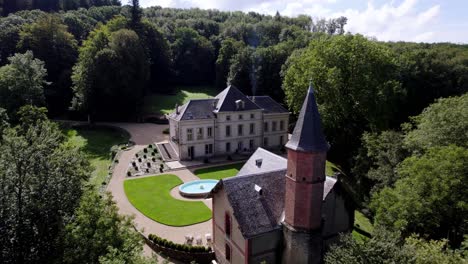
96	143
363	223
164	103
151	196
219	172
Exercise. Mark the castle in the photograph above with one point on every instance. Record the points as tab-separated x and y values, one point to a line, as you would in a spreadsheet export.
229	123
279	210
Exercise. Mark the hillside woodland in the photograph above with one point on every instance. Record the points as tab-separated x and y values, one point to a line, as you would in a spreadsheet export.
395	114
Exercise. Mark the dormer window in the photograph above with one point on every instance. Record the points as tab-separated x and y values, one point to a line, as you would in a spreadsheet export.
240	105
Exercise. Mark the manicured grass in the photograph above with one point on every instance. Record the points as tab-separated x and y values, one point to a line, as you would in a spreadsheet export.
330	168
152	198
219	172
164	103
362	222
96	143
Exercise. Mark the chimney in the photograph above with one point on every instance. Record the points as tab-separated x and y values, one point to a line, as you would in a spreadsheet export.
177	109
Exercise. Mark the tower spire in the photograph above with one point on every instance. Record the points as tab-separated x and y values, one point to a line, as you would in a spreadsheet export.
308	134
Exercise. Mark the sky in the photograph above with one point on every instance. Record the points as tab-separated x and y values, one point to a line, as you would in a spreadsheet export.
387	20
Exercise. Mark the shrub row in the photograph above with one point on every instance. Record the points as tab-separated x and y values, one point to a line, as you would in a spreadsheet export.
169	244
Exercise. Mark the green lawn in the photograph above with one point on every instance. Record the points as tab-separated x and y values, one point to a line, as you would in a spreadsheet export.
362	222
164	104
219	172
152	198
96	143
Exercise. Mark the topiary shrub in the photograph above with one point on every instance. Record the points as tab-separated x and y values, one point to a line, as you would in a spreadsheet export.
145	150
129	174
150	146
153	159
139	159
160	170
144	156
149	164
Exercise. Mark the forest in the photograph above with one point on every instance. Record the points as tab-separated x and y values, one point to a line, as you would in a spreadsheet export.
394	113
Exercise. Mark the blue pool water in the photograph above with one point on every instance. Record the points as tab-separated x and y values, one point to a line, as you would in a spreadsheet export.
197	187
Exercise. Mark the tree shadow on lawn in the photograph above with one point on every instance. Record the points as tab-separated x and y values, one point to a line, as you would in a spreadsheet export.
96	141
165	103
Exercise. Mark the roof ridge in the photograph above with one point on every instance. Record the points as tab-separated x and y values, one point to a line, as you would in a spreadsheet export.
251	175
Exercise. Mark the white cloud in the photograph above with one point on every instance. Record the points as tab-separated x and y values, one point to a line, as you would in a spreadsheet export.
393	22
386	21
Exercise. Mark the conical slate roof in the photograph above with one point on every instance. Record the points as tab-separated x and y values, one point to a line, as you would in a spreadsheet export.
308	134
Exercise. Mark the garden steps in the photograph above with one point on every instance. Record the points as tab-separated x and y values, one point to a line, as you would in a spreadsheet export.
167	151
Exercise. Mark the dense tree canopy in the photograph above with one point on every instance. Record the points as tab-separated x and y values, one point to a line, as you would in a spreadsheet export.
387	247
41	183
355	80
22	81
431	196
111	73
50	41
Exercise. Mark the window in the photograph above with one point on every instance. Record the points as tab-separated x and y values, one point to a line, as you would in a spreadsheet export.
241	117
227	224
199	133
265	127
228	131
228	253
240	130
282	125
265	142
228	117
273	126
240	146
209	132
281	140
252	128
189	134
209	149
228	147
251	144
252	116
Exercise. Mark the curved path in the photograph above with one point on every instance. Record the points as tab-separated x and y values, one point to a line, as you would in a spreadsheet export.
142	135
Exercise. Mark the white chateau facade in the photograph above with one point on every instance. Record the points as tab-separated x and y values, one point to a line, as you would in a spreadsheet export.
229	123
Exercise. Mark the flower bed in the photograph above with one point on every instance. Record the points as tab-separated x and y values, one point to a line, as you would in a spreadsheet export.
147	161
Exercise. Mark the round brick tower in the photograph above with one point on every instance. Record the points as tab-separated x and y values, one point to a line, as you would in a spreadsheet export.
307	153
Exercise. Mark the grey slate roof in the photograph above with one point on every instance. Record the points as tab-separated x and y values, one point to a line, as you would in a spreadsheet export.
228	97
270	162
195	109
256	213
269	105
308	133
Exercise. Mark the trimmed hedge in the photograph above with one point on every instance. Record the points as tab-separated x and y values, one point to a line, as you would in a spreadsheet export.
181	247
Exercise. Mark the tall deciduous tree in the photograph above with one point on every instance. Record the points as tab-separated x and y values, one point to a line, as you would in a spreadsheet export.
193	57
41	183
431	196
110	76
98	234
22	82
50	41
442	123
356	82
